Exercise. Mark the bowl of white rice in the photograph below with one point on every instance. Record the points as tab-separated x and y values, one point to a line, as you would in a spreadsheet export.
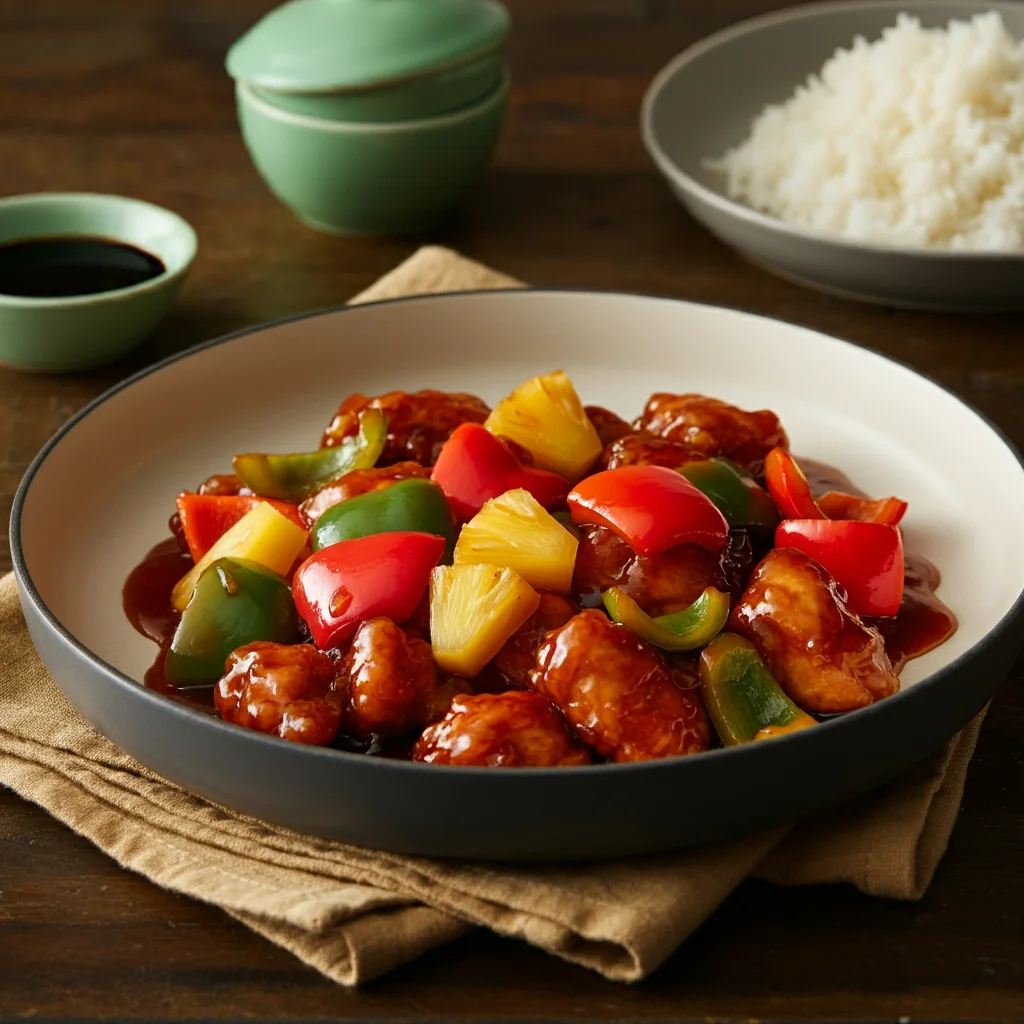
869	149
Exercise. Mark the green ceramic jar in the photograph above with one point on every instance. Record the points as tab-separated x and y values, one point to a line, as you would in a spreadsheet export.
373	60
372	116
371	179
79	332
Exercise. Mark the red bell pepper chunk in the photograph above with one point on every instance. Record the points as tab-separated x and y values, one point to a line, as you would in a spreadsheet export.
837	505
650	507
792	496
866	559
474	466
345	584
789	487
205	517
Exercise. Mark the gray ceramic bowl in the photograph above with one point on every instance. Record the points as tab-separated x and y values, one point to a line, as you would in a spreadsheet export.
892	430
702	104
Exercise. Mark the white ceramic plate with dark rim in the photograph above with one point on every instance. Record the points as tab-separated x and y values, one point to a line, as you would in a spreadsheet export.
702	104
99	495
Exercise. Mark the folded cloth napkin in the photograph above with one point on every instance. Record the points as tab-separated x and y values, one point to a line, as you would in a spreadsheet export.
353	913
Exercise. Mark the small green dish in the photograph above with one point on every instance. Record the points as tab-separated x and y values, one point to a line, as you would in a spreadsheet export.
357	178
80	332
427	96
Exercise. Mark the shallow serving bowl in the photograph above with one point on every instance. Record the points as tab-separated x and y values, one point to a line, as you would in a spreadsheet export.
891	429
702	104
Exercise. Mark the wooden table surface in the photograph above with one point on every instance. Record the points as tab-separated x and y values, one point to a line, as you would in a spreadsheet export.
129	96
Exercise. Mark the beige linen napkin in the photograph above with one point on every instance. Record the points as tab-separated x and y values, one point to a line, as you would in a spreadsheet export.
353	913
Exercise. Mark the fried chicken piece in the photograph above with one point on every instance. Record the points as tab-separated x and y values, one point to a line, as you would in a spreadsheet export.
662	583
394	687
501	730
818	650
619	695
641	449
419	422
359	481
608	425
511	666
286	690
714	427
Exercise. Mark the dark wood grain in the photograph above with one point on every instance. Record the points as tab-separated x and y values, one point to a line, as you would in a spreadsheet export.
129	96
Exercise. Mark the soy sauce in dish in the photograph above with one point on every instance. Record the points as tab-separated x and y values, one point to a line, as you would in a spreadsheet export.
64	266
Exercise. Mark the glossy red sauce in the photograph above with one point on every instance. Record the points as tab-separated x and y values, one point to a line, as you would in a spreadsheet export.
147	591
923	621
147	603
922	624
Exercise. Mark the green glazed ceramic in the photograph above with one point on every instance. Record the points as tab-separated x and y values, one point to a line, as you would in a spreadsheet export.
60	335
333	45
371	179
427	96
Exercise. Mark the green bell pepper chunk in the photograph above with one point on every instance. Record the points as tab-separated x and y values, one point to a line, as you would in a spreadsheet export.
236	601
295	477
738	495
687	630
743	699
415	505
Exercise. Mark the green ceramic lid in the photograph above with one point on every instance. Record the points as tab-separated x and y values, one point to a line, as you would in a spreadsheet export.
334	45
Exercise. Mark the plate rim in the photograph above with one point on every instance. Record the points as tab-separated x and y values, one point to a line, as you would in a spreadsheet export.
755	218
30	592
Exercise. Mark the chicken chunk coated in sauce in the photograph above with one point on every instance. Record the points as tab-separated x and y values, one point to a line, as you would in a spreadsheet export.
662	583
640	449
286	690
824	657
419	422
501	730
394	687
619	695
713	427
609	425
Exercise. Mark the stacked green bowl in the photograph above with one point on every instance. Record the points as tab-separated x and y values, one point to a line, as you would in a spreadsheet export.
372	117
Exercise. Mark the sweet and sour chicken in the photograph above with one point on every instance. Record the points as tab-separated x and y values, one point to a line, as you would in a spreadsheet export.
541	584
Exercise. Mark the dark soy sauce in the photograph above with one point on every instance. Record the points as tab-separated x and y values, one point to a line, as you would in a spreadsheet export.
48	268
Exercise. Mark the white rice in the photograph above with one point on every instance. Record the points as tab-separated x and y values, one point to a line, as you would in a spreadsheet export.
916	139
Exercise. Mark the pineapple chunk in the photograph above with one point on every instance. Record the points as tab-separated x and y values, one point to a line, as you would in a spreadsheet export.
262	535
546	417
474	609
515	532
